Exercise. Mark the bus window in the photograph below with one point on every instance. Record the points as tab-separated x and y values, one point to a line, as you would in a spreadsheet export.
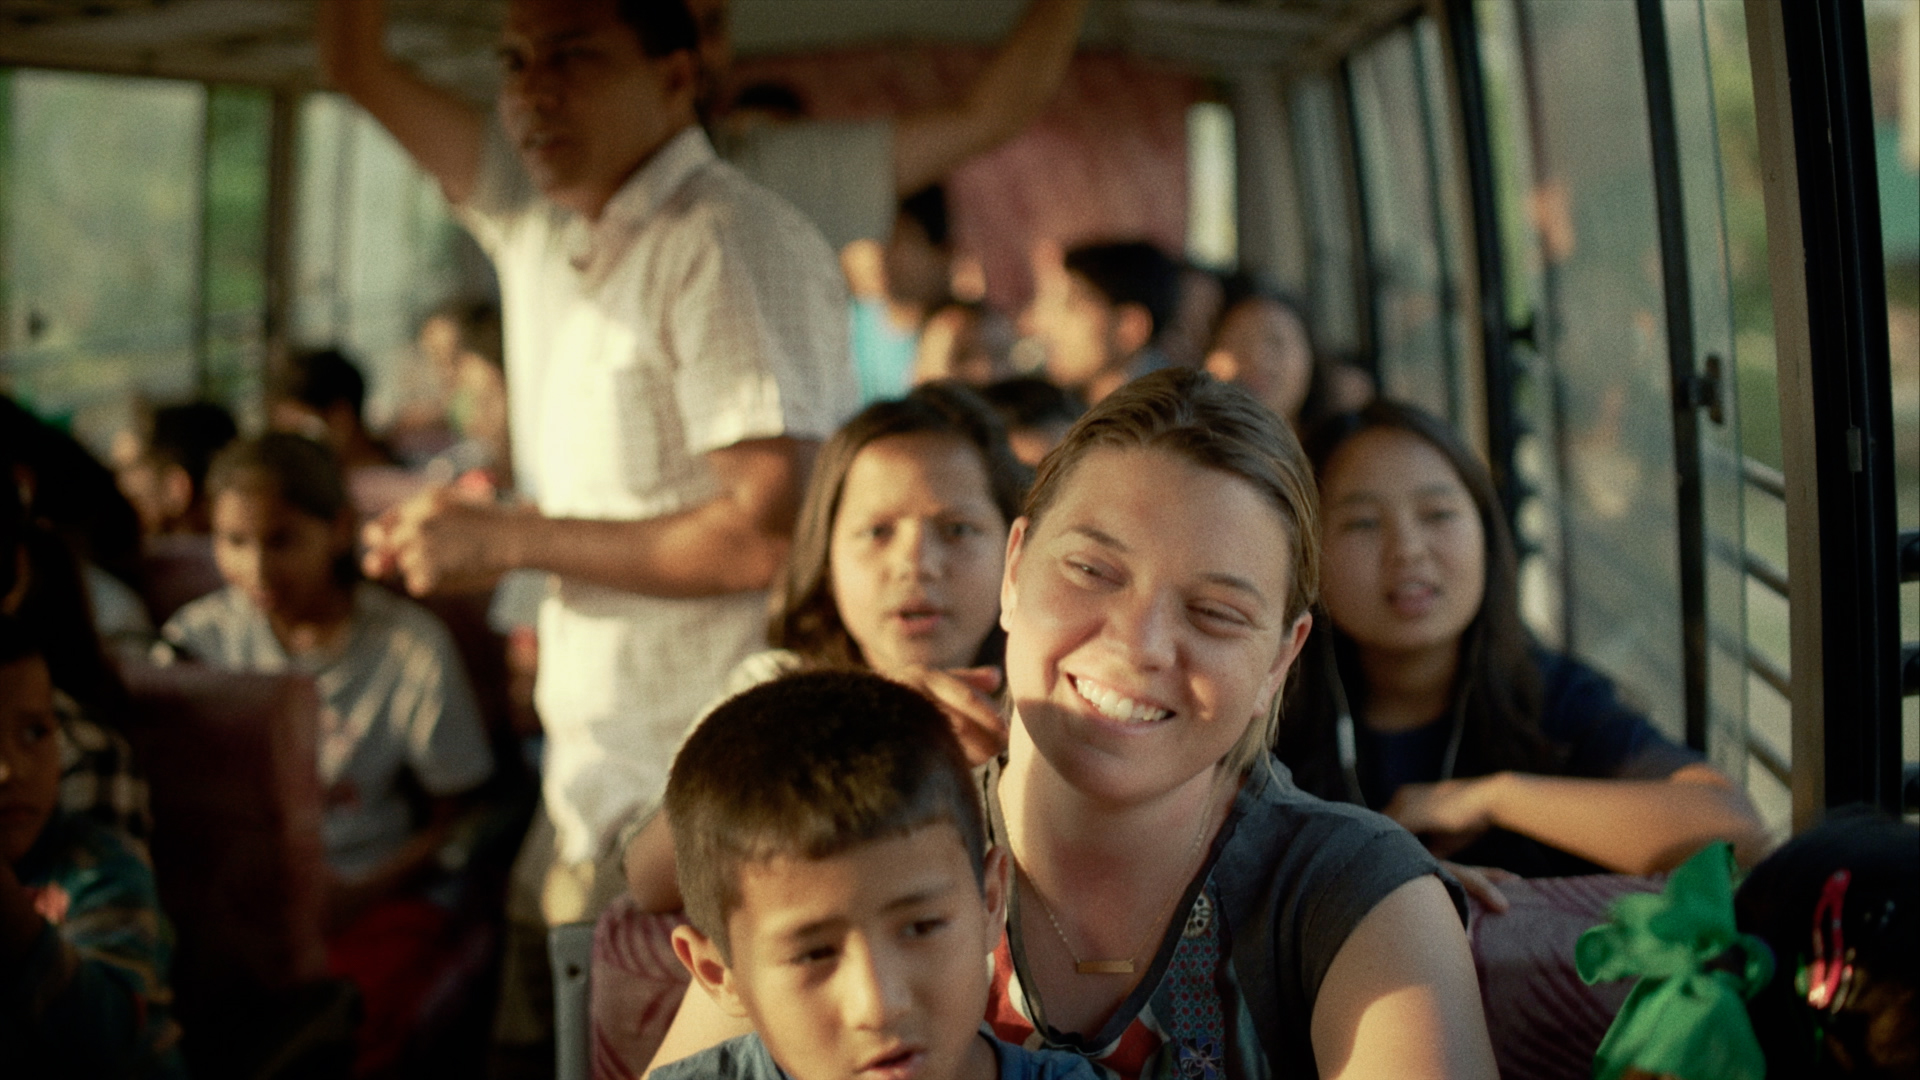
1410	219
375	249
1893	55
101	237
1599	400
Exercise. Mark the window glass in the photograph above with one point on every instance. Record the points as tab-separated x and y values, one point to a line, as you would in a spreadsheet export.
1893	58
100	234
1540	512
1413	343
239	136
375	249
1602	330
1212	232
1325	191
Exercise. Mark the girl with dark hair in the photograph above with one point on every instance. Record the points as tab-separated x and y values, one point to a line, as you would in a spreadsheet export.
895	564
1423	695
397	714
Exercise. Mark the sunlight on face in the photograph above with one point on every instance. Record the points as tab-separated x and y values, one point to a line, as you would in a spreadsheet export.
1147	621
917	551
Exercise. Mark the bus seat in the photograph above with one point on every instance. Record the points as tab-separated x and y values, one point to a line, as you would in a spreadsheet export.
1544	1021
637	986
174	570
239	862
570	951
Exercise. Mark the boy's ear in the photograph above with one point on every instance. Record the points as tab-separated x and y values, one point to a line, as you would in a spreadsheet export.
1016	542
702	959
997	883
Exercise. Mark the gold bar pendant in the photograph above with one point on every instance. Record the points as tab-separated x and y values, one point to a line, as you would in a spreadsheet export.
1104	967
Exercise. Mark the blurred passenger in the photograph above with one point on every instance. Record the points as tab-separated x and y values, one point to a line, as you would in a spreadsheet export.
896	564
435	419
969	343
1423	695
848	176
1263	343
161	465
321	394
64	488
913	279
477	408
1036	412
1810	971
1099	316
42	588
84	947
1840	907
397	712
1202	296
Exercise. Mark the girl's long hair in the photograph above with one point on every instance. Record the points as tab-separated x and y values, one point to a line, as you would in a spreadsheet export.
806	618
1497	694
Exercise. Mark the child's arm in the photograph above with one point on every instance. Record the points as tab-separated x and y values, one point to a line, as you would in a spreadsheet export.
1628	826
348	898
82	993
1400	1001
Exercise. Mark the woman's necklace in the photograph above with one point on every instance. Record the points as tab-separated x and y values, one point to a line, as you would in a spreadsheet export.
1118	967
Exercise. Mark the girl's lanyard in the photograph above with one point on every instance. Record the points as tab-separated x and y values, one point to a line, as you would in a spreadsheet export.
1349	743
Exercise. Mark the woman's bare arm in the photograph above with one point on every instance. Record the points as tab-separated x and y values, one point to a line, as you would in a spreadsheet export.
1401	1001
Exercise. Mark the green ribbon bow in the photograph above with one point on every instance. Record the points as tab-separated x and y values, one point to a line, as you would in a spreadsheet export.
1681	1020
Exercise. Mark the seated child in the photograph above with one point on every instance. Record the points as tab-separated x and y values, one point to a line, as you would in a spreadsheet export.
833	858
83	946
398	718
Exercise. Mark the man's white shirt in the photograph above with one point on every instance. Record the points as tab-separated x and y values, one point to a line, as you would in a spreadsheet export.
698	312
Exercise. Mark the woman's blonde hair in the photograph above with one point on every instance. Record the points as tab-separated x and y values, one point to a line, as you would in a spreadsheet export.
1215	425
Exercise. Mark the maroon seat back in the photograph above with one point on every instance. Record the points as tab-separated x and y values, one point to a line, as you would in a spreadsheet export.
174	570
1545	1021
233	764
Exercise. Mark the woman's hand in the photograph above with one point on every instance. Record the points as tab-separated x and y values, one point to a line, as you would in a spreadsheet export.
1482	883
1447	815
966	696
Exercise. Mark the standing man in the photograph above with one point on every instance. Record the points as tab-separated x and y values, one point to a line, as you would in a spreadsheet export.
676	347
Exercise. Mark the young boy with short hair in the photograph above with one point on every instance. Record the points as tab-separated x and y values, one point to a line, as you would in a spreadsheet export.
833	860
84	948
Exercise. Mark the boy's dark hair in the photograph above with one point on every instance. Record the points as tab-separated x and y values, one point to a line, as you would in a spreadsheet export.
664	27
320	379
188	435
810	766
18	641
1131	272
927	208
1028	401
1872	1026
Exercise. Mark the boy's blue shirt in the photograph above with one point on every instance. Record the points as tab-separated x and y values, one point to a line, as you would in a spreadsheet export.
746	1058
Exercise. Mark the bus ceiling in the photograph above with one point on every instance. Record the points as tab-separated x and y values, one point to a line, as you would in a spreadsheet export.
270	43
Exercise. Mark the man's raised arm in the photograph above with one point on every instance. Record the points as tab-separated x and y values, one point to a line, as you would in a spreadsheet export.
1006	97
440	130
